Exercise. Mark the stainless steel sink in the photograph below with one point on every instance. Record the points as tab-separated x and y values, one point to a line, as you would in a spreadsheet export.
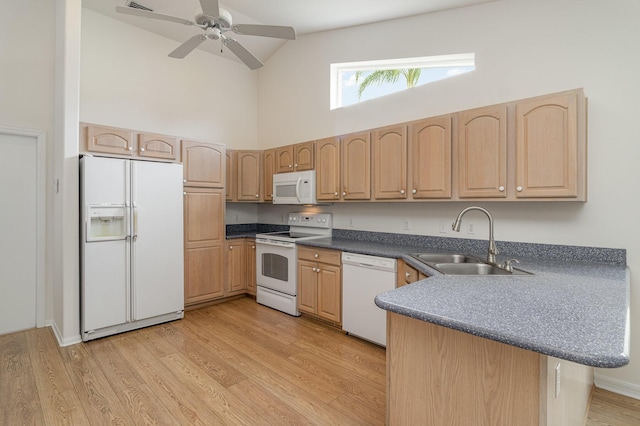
462	264
444	258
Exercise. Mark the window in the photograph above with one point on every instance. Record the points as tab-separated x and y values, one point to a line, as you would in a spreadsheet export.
353	82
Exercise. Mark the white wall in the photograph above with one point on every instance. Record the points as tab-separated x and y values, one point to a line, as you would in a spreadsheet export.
127	80
27	34
523	49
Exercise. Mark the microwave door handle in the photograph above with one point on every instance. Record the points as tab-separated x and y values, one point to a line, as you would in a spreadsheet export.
298	189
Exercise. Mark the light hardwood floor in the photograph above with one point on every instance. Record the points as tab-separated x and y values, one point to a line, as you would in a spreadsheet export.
233	363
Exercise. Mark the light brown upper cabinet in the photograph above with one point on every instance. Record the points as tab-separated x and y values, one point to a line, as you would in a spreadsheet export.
109	140
328	169
203	164
231	176
294	158
550	160
268	169
157	146
430	158
390	162
248	175
356	166
482	152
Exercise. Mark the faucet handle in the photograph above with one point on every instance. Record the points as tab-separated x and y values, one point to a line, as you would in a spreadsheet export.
507	264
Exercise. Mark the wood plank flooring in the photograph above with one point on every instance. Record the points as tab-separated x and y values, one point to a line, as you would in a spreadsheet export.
233	363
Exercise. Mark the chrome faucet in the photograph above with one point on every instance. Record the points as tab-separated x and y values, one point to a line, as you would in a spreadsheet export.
493	251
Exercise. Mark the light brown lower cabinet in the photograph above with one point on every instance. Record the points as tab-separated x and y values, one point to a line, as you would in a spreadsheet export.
436	375
407	274
320	283
240	266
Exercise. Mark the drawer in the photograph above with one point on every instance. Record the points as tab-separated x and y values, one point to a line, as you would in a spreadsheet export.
332	257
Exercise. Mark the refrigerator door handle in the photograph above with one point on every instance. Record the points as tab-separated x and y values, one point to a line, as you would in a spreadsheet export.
132	280
128	272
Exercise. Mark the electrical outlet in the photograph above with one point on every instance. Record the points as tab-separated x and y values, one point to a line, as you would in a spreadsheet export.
470	228
443	227
236	218
405	224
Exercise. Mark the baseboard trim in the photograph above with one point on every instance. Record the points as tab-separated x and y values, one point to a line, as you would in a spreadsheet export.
618	386
63	342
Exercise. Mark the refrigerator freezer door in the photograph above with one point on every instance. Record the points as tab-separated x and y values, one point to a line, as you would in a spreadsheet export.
105	284
157	229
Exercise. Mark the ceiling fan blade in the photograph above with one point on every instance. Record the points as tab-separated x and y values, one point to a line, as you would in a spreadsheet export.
210	8
153	15
188	46
274	31
243	54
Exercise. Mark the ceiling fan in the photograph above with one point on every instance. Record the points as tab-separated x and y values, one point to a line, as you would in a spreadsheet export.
215	21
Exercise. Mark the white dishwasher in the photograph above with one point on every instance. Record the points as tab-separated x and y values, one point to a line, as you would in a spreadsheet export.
364	277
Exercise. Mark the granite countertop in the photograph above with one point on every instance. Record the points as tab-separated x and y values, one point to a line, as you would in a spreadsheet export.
576	310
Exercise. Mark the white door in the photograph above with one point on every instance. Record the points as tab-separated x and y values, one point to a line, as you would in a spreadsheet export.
158	257
18	232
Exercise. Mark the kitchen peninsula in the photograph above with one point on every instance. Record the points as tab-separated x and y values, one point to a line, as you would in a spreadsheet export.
500	350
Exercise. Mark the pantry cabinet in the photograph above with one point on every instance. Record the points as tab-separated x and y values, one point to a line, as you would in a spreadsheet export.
204	164
548	162
320	283
204	235
430	158
482	152
356	166
390	163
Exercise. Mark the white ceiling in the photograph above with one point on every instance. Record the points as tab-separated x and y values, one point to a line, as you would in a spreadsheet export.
306	16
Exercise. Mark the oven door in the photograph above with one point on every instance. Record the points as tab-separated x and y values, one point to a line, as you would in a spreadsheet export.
276	265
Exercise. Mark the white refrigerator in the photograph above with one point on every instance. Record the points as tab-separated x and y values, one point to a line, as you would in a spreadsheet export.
132	267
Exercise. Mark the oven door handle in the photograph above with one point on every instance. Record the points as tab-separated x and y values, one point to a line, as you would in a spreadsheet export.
281	244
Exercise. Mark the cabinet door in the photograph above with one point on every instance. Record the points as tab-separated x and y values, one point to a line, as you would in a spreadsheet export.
157	146
203	216
328	169
390	163
430	158
203	164
547	147
356	167
203	239
269	162
251	266
203	275
284	159
303	156
109	140
236	267
248	185
231	179
307	286
482	152
329	292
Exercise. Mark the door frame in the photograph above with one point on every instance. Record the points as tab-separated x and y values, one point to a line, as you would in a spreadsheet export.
41	207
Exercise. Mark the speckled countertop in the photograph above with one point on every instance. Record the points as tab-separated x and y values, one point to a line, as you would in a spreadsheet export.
575	307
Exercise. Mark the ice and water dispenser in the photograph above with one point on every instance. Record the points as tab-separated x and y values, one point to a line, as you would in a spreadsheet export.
106	223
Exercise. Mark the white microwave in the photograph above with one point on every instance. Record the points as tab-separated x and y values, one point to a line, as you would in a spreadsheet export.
295	188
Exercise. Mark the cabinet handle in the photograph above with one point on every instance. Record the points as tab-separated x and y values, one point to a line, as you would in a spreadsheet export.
519	189
335	193
315	255
414	191
313	269
402	191
257	196
130	148
230	247
344	193
184	193
253	247
184	181
317	270
141	149
501	188
289	165
295	165
407	274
